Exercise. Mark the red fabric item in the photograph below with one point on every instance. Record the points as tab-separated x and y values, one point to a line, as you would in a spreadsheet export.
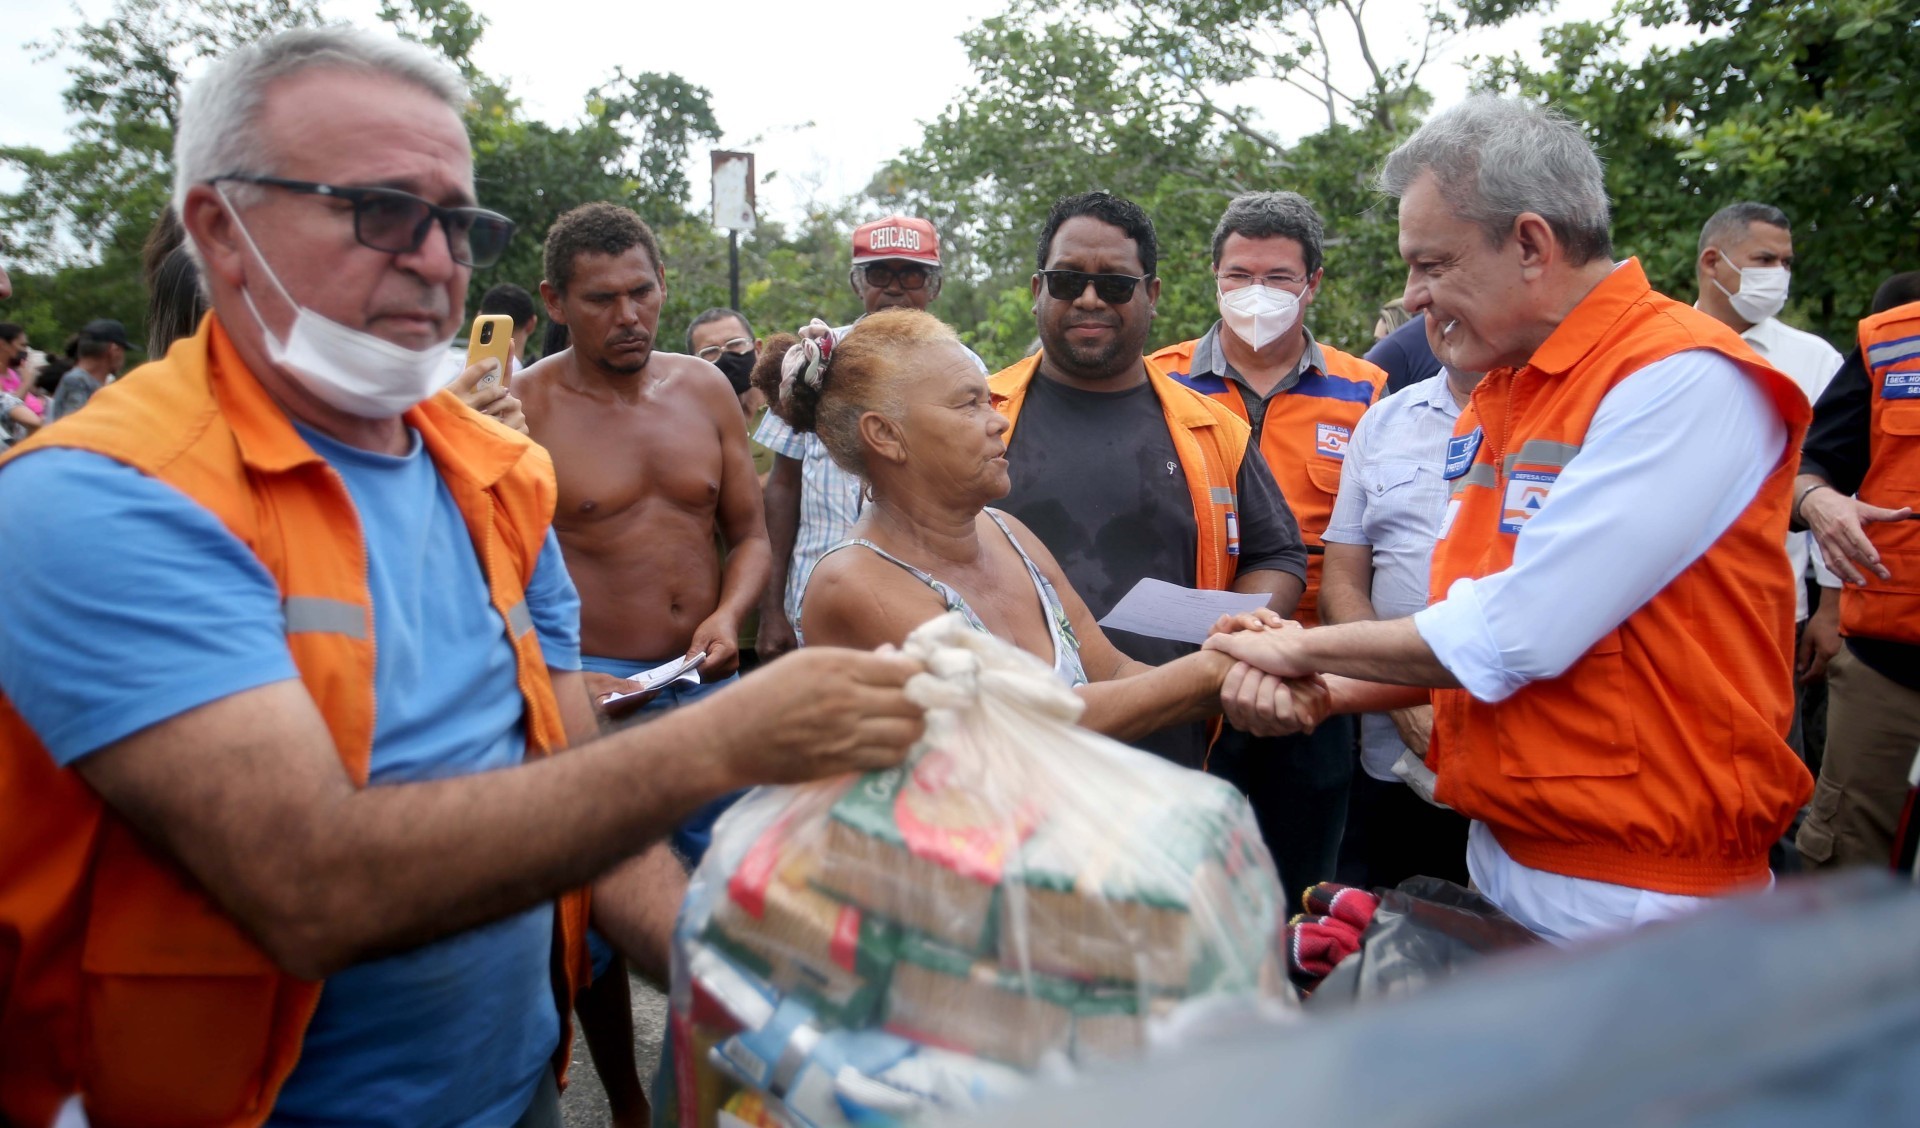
1329	931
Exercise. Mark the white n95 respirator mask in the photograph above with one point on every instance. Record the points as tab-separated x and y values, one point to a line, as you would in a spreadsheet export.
1259	315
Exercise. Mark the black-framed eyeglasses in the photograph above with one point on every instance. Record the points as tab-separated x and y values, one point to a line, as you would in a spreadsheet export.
1237	279
1113	289
396	222
883	276
737	345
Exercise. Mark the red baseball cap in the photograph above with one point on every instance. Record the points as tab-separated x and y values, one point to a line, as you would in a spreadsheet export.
896	237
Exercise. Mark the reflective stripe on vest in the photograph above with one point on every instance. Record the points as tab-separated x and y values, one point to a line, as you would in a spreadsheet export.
309	613
519	619
1479	474
1892	352
1540	452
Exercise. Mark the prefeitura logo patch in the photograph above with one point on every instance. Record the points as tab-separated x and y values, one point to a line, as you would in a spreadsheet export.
1527	491
1331	439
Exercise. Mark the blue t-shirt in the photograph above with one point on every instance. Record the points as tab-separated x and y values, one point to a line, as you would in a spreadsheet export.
130	604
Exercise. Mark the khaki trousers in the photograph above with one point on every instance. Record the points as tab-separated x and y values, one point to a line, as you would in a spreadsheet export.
1873	733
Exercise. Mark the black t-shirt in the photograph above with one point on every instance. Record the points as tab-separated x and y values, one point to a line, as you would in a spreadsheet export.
1097	479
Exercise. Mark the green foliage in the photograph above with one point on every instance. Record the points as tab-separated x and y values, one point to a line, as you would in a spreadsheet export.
75	228
1803	103
1140	97
1806	104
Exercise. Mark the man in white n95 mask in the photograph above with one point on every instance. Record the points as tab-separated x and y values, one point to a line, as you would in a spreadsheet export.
1745	271
1303	398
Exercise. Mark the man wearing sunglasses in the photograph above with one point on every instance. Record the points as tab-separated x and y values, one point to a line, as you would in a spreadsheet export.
285	835
1119	470
1303	398
811	502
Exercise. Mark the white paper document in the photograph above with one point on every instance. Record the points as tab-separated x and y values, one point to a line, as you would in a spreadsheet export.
1159	609
659	677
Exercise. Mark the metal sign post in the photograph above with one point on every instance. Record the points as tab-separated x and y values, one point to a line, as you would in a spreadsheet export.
733	181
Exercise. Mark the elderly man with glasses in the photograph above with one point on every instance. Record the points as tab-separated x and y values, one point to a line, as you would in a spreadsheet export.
286	835
1122	473
811	502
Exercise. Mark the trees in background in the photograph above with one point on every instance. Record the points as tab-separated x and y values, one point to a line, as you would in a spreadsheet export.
1801	103
72	233
1804	104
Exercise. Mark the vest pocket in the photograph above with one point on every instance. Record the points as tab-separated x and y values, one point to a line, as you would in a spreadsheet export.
1578	724
177	1004
1325	475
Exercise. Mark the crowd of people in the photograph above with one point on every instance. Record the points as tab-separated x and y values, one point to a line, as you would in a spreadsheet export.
1571	588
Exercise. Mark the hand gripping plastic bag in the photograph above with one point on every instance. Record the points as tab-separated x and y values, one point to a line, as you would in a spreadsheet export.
1021	897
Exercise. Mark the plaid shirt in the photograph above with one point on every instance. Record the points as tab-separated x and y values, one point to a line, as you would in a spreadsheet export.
829	502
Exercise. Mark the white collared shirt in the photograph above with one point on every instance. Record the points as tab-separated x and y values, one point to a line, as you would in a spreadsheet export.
1392	498
1811	362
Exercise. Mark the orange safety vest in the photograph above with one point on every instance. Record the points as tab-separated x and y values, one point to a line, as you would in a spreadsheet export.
120	978
1303	437
1890	348
1208	440
1657	760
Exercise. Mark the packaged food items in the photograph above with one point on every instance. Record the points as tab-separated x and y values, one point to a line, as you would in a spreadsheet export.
1020	897
948	998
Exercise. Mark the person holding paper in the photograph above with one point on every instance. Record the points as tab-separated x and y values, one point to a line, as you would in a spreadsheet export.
900	403
1119	470
654	475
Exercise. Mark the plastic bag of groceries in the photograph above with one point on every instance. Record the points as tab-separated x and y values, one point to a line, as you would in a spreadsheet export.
1022	897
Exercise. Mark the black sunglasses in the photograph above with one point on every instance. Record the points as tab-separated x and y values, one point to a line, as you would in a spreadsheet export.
1113	289
396	222
880	276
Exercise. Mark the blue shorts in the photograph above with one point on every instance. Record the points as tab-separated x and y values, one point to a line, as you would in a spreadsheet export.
692	837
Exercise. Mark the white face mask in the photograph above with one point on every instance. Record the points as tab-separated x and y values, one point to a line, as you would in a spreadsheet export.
349	370
1762	293
1258	314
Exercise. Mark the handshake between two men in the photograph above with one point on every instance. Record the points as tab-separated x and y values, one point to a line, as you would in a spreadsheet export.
1277	688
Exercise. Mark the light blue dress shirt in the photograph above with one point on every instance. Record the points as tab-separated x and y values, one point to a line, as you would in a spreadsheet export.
1392	497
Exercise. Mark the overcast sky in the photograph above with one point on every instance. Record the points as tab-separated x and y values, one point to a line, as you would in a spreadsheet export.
822	103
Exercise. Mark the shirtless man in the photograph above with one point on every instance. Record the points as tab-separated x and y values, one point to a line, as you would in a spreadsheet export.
651	462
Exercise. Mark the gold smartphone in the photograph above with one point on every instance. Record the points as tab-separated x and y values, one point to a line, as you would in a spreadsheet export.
492	336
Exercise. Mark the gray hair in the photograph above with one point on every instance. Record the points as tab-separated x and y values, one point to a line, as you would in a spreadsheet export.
1270	215
1732	221
217	134
1497	158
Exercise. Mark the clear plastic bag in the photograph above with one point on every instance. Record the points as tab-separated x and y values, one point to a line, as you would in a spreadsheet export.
1022	897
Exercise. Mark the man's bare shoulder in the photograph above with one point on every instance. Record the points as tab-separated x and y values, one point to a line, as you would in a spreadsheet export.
691	374
541	373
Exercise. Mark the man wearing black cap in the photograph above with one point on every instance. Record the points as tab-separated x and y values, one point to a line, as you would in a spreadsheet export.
102	352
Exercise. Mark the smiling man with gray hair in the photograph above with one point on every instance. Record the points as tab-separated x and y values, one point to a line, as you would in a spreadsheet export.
1609	651
286	835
